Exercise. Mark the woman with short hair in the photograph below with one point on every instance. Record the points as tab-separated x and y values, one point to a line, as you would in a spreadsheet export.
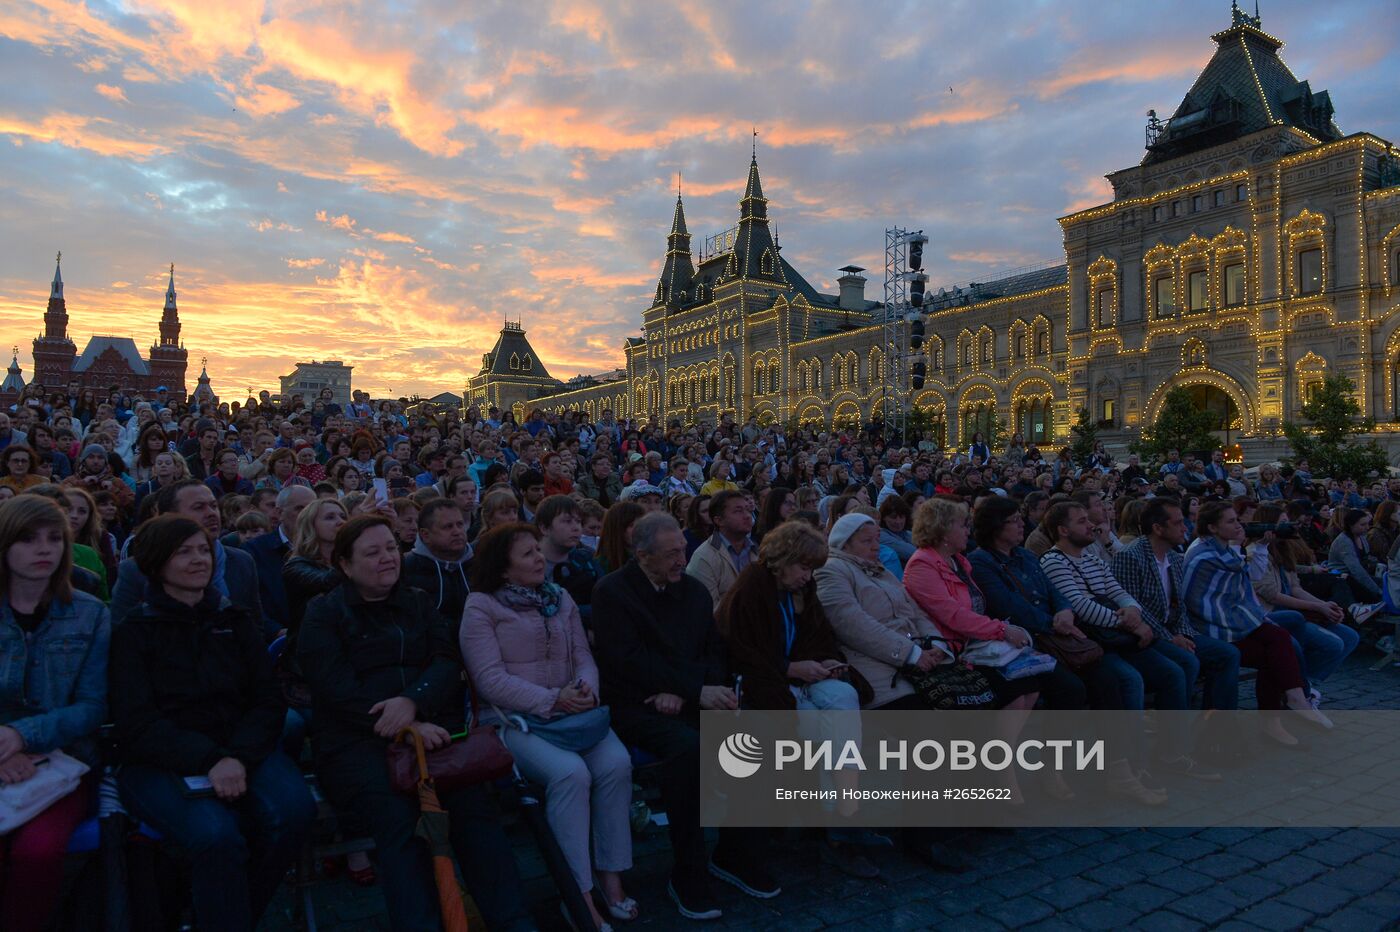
193	698
18	462
528	656
783	646
378	659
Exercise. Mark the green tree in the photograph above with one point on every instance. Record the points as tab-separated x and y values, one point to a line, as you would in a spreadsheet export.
1086	434
999	436
1330	437
1180	425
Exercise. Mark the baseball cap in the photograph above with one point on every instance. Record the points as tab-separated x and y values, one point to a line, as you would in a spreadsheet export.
639	490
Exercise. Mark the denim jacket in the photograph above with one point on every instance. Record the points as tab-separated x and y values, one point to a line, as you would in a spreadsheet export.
53	682
1017	588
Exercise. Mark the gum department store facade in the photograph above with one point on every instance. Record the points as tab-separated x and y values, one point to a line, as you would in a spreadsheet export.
1253	250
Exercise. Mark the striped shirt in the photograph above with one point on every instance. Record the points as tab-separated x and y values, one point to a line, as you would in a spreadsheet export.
1087	582
1217	591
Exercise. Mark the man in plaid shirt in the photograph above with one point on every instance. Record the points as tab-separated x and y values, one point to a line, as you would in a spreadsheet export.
1150	570
1089	585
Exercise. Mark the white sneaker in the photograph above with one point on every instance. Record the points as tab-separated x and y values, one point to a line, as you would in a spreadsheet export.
1360	613
1314	697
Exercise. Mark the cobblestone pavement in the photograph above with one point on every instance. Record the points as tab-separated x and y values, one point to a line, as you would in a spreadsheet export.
1043	879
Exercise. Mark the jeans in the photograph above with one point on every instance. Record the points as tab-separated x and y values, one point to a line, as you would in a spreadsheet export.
1170	673
1220	662
1321	648
239	850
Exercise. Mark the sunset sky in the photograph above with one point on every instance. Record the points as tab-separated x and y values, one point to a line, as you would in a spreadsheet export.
383	182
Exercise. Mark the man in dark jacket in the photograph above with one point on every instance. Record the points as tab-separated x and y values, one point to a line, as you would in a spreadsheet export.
269	553
660	661
440	557
234	573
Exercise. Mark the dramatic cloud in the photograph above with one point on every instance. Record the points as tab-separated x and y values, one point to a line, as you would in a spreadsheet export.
383	183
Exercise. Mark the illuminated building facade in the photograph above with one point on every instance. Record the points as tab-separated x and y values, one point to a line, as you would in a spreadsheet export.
1253	250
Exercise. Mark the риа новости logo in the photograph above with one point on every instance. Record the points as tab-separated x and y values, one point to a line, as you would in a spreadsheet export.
740	755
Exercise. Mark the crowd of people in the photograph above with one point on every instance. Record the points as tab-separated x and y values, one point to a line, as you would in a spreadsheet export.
249	591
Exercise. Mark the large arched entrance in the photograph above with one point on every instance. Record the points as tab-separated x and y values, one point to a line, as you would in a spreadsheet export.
1228	421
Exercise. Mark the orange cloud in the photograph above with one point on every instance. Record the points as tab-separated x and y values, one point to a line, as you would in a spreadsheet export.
304	263
266	100
112	92
389	236
74	131
343	222
1140	65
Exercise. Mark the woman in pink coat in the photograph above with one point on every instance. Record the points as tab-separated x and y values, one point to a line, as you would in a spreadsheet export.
528	657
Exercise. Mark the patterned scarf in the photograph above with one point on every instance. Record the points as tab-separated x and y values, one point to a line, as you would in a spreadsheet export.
543	599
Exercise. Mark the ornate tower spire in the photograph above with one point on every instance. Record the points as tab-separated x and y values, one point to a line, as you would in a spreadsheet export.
678	272
56	317
755	254
170	317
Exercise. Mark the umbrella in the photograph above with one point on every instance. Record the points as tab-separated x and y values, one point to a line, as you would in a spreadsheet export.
433	827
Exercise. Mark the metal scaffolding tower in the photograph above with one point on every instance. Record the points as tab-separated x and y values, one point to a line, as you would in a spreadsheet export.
898	307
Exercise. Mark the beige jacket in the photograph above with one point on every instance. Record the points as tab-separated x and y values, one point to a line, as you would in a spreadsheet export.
712	565
873	618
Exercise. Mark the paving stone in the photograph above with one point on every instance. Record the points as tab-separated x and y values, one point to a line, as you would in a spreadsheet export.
1207	907
1070	865
1143	897
971	924
1018	882
1332	853
1019	912
1354	919
1292	870
1359	880
1246	891
1317	897
1166	922
1187	849
1102	914
1222	866
1118	875
1183	881
1071	891
1277	916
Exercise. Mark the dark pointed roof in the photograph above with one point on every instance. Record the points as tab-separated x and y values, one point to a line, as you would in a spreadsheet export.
678	272
513	356
14	377
1244	88
170	290
755	254
56	291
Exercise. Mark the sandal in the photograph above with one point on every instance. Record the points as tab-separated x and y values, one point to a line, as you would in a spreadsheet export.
624	911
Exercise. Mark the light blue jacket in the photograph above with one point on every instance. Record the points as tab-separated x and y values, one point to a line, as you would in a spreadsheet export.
53	682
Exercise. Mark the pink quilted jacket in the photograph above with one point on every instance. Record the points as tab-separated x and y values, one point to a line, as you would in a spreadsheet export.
519	660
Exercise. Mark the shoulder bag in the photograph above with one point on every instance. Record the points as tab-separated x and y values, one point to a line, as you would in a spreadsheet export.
1076	653
475	756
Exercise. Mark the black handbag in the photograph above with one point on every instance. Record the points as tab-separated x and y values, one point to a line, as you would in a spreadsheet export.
949	686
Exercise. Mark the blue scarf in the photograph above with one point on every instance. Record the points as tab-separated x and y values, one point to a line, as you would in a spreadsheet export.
220	564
